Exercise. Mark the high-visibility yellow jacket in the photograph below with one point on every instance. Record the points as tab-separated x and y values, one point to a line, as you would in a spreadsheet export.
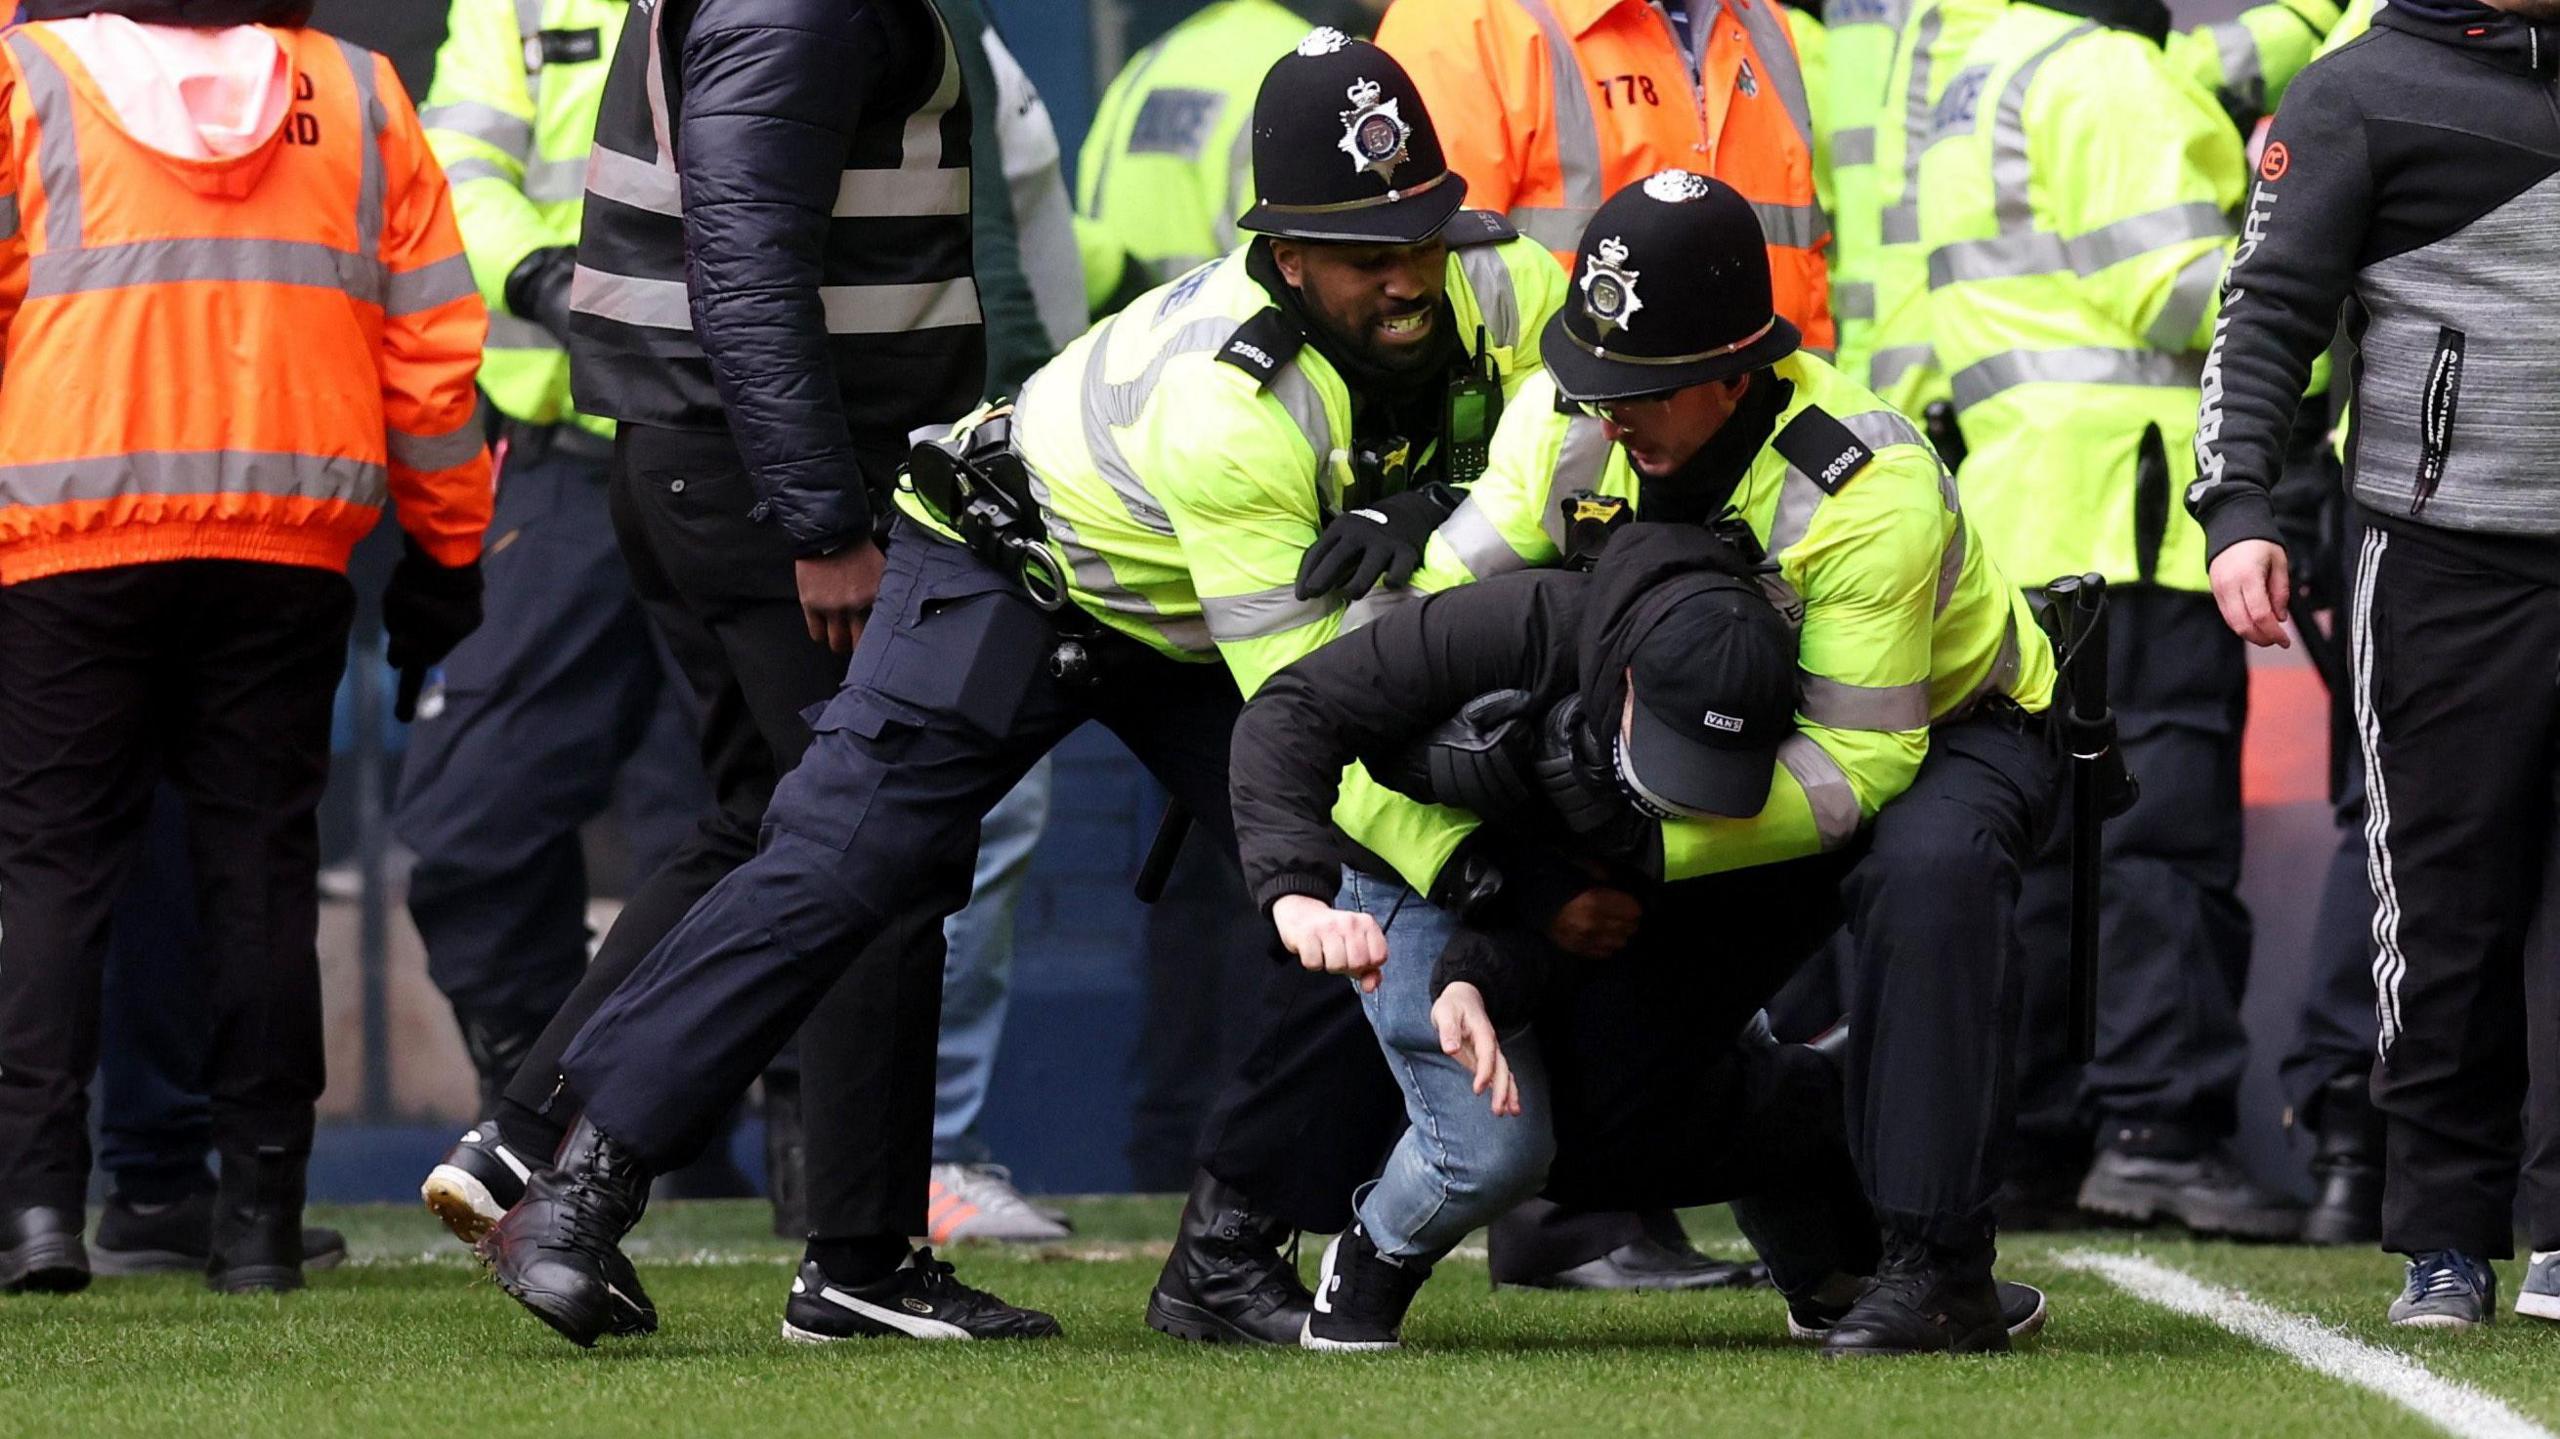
2076	200
511	114
1850	110
1906	620
1168	164
1184	454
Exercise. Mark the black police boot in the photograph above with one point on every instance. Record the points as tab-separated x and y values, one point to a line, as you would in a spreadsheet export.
175	1236
920	1299
1811	1319
479	1179
786	1159
2346	1164
1649	1262
1925	1300
45	1255
2148	1173
1229	1280
257	1223
556	1253
1361	1296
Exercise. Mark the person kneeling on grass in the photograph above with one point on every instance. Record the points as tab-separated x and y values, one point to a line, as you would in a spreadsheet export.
1560	708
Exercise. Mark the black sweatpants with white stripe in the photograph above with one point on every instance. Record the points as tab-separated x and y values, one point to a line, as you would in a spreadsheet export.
2457	672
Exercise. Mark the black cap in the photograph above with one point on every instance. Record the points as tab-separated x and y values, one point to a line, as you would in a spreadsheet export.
1714	681
1670	289
1343	149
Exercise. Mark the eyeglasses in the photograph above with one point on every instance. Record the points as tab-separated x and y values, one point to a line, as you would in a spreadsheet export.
1612	410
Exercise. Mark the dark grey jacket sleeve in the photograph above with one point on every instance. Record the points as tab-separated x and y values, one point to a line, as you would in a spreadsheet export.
772	93
2302	240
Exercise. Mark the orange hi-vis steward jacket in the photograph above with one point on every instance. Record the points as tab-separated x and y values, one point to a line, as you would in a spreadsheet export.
233	358
1548	107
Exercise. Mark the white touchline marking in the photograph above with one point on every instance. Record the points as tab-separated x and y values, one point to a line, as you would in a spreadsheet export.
2448	1404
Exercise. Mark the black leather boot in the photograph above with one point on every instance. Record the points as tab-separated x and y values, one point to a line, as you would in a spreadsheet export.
2346	1165
1229	1279
1925	1300
257	1223
44	1254
2148	1174
556	1253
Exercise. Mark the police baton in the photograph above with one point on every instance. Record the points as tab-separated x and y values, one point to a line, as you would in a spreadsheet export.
1158	868
2076	619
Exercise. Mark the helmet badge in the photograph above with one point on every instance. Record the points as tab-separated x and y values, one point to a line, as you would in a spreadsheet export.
1373	134
1609	287
1323	40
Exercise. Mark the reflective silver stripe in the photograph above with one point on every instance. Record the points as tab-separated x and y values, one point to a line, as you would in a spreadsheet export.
1093	575
1902	224
1798	498
1775	42
1853	146
1476	541
529	18
923	134
630	180
507	332
1489	275
1297	395
1107	404
897	309
1261	615
1826	788
871	194
8	217
463	172
171	262
1879	428
548	182
2010	170
428	286
1577	131
372	181
1887	366
487	124
1375	604
427	454
1799	226
2039	252
1836	705
1239	185
1902	220
2191	297
2237	46
1950	569
58	142
1557	227
2090	365
1580	458
630	300
195	472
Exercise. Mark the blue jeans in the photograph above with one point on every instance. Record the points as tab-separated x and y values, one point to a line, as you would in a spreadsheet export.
1457	1166
977	968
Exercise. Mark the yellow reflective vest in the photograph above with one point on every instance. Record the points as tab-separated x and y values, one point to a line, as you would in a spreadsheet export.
511	116
1906	621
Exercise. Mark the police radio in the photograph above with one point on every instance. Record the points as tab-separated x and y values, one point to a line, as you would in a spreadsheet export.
1468	414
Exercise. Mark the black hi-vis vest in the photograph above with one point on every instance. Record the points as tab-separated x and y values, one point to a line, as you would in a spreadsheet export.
906	341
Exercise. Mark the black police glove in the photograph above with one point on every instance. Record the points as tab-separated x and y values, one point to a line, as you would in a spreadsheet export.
427	609
1475	760
538	288
1509	966
1570	768
1381	541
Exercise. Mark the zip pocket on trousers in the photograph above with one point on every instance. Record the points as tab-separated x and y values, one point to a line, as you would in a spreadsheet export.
2437	401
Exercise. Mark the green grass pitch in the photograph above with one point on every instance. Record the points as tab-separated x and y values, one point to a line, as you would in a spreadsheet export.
410	1339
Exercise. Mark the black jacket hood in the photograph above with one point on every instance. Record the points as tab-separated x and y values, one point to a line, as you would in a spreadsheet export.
1627	593
204	14
2501	38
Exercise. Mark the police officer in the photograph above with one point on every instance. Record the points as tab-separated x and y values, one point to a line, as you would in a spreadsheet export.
2076	204
1131	558
1675	392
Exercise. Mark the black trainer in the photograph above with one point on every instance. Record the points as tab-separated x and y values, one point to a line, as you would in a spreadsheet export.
45	1255
556	1252
479	1179
1230	1280
255	1245
176	1237
2346	1166
1361	1296
1646	1262
1923	1300
2022	1309
2145	1175
920	1299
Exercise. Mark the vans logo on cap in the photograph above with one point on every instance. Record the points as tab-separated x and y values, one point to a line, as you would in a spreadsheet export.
1724	722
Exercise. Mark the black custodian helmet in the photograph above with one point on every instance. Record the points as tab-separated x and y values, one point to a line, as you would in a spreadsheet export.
1670	289
1343	149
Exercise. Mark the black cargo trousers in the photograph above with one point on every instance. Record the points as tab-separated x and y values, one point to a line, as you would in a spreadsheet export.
2457	677
950	699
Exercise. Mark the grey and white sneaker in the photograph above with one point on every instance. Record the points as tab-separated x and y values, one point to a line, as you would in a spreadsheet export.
2539	1296
978	1201
2447	1289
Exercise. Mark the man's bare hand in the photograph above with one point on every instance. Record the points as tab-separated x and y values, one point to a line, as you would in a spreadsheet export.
1596	923
1467	1036
1329	940
836	592
2253	583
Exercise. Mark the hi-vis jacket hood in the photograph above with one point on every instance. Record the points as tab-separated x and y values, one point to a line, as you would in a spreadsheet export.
212	100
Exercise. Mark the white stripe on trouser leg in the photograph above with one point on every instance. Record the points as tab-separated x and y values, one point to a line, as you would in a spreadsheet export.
2388	962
